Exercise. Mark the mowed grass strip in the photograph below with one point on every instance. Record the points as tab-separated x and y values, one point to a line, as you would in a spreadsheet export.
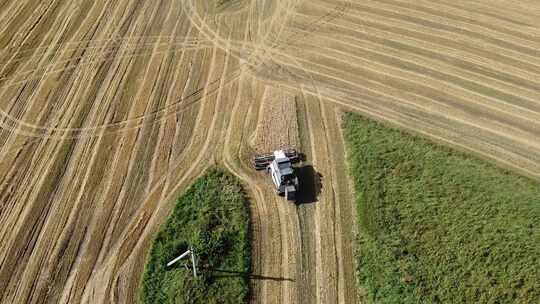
437	226
212	216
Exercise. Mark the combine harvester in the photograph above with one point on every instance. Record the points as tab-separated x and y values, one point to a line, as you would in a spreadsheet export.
280	166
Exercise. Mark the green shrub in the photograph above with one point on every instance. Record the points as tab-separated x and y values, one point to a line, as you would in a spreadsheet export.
212	216
436	226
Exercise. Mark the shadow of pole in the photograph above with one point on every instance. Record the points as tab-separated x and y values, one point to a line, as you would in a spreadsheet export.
231	274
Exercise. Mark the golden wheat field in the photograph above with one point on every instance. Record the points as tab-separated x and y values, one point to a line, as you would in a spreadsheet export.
109	109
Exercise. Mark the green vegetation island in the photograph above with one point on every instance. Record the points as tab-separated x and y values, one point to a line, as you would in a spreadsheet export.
438	226
213	217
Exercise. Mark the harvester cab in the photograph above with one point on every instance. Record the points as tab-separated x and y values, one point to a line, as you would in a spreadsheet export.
279	165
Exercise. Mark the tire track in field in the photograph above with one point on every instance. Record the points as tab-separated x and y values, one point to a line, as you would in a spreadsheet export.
44	129
441	23
120	255
97	25
17	123
351	83
87	44
270	238
376	44
69	168
416	121
458	13
526	130
531	154
264	221
402	31
68	75
42	177
322	289
532	134
285	293
136	121
533	112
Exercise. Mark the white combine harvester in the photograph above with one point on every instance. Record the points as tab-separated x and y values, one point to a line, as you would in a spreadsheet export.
280	166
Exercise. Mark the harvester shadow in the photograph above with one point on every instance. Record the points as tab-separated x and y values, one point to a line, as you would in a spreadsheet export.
310	184
232	274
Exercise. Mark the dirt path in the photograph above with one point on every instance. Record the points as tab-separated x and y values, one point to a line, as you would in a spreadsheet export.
110	109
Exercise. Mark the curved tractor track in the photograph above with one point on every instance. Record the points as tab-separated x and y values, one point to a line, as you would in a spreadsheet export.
110	109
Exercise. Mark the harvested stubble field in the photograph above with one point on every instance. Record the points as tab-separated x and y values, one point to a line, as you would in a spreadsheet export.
110	109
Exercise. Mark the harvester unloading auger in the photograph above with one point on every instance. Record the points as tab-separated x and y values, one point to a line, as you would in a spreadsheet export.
280	166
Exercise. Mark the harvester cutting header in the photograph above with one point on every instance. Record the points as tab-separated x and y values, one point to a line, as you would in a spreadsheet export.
280	166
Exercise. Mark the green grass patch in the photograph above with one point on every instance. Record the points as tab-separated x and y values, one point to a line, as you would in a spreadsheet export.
213	217
437	226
